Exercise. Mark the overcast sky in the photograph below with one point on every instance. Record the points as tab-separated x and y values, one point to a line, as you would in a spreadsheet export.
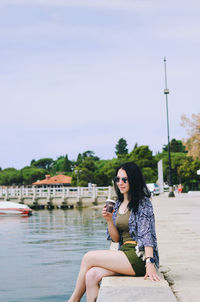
79	75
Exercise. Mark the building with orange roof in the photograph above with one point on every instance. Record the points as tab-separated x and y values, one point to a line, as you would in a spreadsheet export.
54	181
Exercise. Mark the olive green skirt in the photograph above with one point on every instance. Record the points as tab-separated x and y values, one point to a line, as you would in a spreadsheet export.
137	263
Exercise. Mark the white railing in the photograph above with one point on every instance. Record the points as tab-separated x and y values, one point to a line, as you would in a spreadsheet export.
53	192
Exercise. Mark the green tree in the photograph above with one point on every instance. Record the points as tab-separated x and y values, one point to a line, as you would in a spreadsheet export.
143	157
84	173
121	147
101	178
188	173
177	159
175	146
44	163
32	174
105	170
67	164
79	159
32	162
82	156
10	176
90	154
57	165
149	174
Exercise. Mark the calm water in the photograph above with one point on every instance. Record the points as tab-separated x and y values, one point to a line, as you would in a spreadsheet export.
40	255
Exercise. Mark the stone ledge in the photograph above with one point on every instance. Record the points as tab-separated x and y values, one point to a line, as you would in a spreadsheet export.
129	289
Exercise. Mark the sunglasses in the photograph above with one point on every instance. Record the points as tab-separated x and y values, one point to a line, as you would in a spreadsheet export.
117	179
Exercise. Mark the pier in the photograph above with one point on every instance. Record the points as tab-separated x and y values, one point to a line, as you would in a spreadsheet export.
57	197
178	232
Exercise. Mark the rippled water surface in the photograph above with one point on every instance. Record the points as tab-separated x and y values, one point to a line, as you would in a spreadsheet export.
40	255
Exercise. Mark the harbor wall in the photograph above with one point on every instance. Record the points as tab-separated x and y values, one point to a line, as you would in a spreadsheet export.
57	197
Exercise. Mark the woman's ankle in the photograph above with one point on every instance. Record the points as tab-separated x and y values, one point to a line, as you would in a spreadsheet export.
73	299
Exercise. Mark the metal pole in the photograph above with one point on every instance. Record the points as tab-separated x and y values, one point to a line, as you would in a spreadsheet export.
166	92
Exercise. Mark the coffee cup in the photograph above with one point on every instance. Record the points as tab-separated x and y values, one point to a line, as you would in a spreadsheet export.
110	205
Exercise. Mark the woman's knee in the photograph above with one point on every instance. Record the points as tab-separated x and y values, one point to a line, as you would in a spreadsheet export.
93	276
87	258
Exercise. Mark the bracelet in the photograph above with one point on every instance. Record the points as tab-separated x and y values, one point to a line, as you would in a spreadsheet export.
150	260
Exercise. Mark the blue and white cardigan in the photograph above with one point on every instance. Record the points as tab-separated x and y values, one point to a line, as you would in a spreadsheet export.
141	227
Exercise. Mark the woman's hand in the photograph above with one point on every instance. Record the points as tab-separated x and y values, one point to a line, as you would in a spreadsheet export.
110	224
151	272
106	215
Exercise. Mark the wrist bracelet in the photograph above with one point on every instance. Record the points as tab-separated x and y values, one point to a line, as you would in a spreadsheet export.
150	260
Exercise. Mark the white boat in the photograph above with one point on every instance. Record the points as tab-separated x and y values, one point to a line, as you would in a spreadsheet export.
13	208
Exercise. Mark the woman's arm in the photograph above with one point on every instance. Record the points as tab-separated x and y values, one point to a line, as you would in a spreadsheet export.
111	227
113	231
150	267
147	237
148	251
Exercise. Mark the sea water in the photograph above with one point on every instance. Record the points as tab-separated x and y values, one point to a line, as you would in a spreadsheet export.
40	255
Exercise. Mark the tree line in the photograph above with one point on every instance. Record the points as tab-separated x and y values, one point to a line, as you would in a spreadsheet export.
89	168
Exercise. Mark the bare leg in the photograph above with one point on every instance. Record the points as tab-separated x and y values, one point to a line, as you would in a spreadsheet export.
115	261
93	277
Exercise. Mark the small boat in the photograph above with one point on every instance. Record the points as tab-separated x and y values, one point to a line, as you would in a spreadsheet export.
13	208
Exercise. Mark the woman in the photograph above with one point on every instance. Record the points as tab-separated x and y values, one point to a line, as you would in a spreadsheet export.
132	225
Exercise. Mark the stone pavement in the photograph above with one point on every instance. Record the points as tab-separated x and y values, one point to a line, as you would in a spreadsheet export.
134	289
178	232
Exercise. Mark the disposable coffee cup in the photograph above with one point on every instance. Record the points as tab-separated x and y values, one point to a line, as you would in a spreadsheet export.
110	205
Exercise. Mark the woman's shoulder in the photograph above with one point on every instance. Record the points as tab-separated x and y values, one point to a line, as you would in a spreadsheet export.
145	204
145	201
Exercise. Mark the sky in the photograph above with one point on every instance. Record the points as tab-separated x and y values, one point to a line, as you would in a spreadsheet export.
79	75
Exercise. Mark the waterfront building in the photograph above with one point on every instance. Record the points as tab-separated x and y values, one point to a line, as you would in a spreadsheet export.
56	181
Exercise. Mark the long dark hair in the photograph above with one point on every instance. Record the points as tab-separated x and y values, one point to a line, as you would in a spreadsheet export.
138	188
